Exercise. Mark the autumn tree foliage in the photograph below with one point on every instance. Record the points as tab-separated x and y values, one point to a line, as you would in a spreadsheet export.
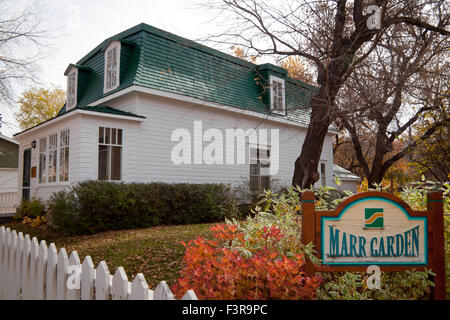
37	105
216	269
297	69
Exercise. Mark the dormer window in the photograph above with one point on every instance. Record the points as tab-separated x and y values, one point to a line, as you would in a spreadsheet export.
277	95
72	77
112	66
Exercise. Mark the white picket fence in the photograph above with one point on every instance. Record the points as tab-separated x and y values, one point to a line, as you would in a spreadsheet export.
30	270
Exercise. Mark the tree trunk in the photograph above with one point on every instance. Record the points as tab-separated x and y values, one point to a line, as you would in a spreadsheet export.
305	173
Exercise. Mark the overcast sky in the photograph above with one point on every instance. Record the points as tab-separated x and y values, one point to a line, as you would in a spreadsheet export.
80	25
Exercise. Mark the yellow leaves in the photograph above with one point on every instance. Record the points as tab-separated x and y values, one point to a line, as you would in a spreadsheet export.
37	105
39	220
297	69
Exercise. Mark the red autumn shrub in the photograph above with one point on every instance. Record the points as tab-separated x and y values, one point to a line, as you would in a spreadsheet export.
215	269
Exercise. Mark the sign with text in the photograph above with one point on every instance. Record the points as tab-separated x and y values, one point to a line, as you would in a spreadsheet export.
374	230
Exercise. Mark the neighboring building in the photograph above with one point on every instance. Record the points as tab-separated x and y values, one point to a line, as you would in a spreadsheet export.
130	99
9	155
349	180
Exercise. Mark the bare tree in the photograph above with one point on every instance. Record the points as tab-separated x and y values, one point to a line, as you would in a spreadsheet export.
21	38
334	36
402	80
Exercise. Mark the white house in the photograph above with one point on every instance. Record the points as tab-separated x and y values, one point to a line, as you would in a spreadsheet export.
146	105
9	149
348	179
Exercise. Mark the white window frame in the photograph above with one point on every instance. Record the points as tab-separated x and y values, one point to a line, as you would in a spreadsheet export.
43	171
258	161
273	79
61	147
323	175
69	105
113	45
110	144
58	158
48	157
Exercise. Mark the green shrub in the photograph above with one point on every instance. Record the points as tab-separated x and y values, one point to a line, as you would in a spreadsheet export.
95	206
30	208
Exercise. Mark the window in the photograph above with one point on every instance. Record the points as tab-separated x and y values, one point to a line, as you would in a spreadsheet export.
52	156
323	176
42	159
112	66
259	169
109	153
277	95
64	142
72	89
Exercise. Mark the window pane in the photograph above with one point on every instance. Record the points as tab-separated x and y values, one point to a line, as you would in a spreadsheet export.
42	159
61	164
101	132
265	169
264	154
323	174
113	136
254	170
116	162
66	164
265	182
254	183
52	157
103	156
107	135
119	136
253	155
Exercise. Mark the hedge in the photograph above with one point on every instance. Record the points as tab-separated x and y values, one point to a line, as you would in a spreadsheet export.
96	206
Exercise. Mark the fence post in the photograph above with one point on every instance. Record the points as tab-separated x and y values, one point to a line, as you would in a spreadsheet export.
33	268
19	270
119	289
102	287
308	225
163	292
74	262
87	279
12	262
52	258
41	271
61	275
26	249
139	288
436	206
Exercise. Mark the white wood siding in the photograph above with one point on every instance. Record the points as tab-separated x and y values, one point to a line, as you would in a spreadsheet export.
8	179
44	190
147	145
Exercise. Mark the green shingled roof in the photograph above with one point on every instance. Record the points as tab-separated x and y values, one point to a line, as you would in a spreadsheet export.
156	59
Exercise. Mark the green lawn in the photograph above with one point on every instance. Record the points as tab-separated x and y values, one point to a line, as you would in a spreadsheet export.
156	252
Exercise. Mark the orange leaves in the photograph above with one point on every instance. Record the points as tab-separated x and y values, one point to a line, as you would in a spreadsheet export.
215	271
